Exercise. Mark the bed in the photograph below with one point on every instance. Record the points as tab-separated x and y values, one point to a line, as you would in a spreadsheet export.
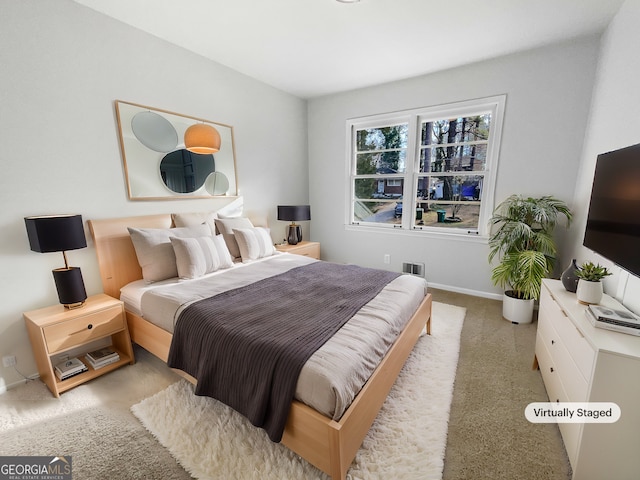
327	443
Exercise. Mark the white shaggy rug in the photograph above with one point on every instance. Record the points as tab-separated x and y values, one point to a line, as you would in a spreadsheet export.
406	441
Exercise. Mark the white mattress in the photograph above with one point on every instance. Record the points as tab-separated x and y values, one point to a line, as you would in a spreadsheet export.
336	372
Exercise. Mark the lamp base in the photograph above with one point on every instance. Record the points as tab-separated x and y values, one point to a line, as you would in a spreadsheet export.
70	286
294	234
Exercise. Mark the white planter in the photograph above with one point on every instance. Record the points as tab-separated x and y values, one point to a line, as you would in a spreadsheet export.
516	310
589	292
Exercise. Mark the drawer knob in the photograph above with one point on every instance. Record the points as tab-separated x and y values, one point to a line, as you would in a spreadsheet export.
553	342
551	368
90	326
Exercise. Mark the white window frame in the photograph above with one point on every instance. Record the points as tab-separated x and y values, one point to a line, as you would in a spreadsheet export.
414	118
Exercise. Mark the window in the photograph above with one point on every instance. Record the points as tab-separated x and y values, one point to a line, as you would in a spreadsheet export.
430	169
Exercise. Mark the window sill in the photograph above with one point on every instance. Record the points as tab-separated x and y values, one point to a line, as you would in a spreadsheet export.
430	233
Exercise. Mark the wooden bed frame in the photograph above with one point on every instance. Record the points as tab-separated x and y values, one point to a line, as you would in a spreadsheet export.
328	444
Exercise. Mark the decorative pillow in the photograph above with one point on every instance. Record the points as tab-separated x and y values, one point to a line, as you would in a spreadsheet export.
155	253
254	243
227	216
195	218
198	256
226	226
233	209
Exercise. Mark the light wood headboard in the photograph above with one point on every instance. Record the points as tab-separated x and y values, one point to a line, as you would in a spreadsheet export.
117	258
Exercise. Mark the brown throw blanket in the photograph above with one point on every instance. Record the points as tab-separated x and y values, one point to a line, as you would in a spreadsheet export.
246	346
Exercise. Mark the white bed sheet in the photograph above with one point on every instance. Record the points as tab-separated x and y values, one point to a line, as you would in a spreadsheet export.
336	372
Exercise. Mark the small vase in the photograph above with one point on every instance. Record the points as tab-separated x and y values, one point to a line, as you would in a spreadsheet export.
589	293
569	277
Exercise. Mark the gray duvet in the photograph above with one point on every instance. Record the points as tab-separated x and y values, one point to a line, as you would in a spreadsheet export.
336	372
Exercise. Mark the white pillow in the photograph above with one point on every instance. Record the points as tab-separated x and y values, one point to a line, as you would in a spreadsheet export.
226	226
155	253
195	218
254	243
196	257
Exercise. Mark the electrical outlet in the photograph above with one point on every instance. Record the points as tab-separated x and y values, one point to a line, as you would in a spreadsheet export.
9	360
387	258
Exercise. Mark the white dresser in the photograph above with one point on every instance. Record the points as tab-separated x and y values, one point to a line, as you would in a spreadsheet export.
581	363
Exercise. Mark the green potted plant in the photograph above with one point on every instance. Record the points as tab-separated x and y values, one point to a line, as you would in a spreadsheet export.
522	240
589	284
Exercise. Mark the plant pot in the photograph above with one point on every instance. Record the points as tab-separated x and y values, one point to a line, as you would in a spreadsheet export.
589	293
515	309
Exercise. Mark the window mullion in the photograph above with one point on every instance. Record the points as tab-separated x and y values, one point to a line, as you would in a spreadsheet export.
410	184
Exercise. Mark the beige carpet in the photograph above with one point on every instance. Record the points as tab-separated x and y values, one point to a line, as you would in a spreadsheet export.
407	440
91	423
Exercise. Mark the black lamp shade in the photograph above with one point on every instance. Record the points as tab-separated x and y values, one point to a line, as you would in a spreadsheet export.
55	233
294	213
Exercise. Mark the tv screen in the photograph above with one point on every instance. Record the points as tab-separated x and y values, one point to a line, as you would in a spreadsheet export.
613	221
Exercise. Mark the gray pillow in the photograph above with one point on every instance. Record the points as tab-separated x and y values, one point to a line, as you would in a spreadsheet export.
155	252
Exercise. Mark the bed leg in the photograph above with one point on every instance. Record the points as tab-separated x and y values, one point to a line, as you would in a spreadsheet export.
428	326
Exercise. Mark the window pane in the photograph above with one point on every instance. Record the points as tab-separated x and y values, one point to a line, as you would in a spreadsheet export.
378	212
459	188
455	158
393	161
456	130
382	187
447	215
382	138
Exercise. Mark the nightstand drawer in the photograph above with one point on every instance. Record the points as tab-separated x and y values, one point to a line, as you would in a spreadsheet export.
307	249
64	335
311	250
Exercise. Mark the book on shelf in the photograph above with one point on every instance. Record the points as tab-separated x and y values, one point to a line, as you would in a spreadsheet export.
69	368
102	363
102	354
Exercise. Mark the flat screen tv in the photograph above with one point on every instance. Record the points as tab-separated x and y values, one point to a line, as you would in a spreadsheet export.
613	221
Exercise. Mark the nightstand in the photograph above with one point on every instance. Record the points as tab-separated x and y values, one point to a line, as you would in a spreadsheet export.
308	249
56	330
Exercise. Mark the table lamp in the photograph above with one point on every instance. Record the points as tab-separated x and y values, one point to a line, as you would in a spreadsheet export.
293	214
58	233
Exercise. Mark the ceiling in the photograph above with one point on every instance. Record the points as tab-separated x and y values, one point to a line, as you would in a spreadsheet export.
316	47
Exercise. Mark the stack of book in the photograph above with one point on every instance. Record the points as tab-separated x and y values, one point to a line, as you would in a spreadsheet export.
102	357
616	320
69	368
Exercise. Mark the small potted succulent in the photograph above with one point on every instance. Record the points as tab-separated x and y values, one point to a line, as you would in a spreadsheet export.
589	284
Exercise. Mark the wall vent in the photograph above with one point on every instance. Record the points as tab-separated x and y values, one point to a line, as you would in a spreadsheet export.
413	269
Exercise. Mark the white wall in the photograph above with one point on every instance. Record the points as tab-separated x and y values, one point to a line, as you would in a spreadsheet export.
612	125
548	94
62	66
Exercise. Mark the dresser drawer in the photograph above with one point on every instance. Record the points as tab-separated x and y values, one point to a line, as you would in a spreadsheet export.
555	391
583	354
78	331
549	372
573	382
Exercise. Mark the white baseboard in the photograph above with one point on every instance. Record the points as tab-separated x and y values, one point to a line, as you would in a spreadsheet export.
4	388
466	291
